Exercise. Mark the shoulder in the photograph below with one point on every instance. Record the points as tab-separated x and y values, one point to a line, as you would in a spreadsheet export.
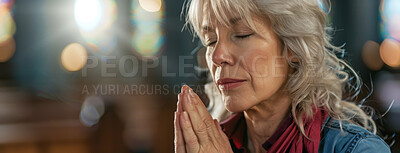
353	139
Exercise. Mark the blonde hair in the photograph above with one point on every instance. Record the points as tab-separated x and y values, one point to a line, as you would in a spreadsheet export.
320	77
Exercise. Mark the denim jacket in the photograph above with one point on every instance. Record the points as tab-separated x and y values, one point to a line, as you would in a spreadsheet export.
355	139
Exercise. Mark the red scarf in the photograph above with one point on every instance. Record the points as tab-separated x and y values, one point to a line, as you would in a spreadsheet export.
289	140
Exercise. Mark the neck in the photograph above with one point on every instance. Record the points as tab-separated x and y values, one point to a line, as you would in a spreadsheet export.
263	119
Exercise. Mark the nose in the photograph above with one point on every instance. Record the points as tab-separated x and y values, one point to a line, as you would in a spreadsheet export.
221	54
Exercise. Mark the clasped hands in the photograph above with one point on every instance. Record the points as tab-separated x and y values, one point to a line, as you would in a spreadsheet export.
195	130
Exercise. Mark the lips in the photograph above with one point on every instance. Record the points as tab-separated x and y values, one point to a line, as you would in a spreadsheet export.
229	83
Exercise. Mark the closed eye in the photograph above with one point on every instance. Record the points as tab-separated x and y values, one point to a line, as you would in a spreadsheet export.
243	36
211	43
237	36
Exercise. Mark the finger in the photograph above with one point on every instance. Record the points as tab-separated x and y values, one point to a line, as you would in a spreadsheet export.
224	140
199	126
218	134
179	143
179	104
220	131
205	116
218	126
191	141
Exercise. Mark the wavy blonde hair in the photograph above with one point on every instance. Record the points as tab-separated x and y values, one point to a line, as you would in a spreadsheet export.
320	77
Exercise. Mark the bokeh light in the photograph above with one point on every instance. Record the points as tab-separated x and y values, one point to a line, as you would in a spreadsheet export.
88	14
74	57
103	44
151	5
96	18
92	110
371	57
148	43
324	5
390	52
393	26
148	36
390	16
7	25
7	31
7	49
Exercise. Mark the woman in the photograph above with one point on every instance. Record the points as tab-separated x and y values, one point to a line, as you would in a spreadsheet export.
276	71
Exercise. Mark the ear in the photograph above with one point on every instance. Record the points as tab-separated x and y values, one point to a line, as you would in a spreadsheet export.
292	56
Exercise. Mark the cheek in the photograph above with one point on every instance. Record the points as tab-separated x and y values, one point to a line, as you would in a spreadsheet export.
268	71
259	63
210	65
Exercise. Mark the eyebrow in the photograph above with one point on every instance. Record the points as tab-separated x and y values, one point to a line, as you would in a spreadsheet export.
232	21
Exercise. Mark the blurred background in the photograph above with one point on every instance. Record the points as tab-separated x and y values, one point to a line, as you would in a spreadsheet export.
102	76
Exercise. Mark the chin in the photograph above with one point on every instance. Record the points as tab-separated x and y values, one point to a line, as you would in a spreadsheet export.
234	106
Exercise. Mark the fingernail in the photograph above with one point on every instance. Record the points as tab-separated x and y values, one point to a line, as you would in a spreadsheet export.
182	89
185	116
191	93
179	96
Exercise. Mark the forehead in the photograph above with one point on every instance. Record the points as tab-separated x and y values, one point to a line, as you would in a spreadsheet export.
210	14
257	24
211	24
